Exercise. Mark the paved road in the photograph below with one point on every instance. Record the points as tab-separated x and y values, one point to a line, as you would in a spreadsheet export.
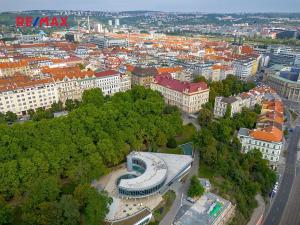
294	106
181	193
291	214
277	209
186	118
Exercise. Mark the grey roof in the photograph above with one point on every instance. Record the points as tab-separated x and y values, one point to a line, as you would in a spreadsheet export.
159	166
244	132
175	163
155	173
229	100
199	213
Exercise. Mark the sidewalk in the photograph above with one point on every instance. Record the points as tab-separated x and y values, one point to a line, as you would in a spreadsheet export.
258	213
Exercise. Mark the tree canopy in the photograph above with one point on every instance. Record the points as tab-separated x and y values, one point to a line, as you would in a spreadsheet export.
47	166
195	189
236	176
230	86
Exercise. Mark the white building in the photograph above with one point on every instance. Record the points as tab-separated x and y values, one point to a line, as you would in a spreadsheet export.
238	102
217	72
125	82
243	68
108	81
189	97
8	69
222	104
268	140
117	22
19	94
99	28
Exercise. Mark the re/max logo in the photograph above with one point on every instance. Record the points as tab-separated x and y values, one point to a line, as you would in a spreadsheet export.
54	21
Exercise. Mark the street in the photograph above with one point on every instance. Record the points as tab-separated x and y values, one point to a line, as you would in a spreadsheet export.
181	193
291	215
277	211
294	106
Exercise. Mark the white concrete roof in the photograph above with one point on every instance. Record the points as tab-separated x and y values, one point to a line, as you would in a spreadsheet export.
155	173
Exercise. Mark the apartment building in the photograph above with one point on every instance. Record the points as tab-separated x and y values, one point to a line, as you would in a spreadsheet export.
217	72
71	81
106	42
67	81
268	140
282	55
19	93
125	82
189	97
143	76
109	81
243	67
223	103
267	136
285	81
238	102
8	69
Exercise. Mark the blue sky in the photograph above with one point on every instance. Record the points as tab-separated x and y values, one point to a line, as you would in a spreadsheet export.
163	5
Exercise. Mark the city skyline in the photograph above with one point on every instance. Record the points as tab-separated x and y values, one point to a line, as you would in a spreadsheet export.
214	6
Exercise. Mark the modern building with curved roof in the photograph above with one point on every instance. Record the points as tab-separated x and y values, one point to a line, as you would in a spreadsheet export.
150	173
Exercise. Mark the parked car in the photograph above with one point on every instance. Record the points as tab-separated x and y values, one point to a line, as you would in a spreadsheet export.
190	200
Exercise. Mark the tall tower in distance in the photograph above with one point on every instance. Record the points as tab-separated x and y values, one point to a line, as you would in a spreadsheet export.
89	26
117	22
110	22
99	28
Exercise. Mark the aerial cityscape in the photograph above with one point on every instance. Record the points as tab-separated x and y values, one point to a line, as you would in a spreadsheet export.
160	113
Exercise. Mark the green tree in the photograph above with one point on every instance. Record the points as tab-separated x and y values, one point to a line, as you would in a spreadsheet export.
11	117
205	117
171	142
161	139
93	96
5	212
195	189
95	205
200	79
70	210
57	106
42	113
30	112
42	161
2	118
70	105
81	66
257	108
228	111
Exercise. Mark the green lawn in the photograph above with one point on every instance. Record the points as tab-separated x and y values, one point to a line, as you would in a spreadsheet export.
161	210
186	135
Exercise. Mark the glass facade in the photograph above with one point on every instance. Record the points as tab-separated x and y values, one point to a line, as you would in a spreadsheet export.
140	193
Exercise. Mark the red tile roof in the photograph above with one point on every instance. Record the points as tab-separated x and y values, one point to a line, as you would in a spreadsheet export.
20	81
70	72
167	81
169	69
13	64
268	134
107	73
